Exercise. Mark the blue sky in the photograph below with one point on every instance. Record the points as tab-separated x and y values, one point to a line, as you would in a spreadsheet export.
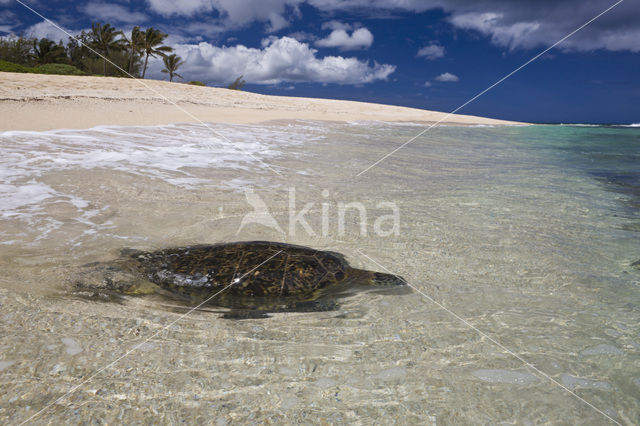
432	54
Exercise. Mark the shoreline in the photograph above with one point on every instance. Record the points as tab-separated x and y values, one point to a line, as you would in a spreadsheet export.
38	102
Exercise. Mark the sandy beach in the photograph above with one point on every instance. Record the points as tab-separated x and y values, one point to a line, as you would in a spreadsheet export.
44	102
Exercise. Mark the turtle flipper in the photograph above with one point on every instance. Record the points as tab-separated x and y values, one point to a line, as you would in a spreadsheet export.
140	288
325	305
130	252
115	291
319	305
111	280
238	314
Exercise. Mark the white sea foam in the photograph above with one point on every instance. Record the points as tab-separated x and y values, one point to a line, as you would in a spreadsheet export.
164	152
599	125
14	199
171	153
381	123
579	125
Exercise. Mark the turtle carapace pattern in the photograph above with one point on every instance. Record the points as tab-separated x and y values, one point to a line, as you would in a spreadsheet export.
255	275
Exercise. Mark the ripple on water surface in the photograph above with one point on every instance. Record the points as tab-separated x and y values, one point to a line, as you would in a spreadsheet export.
529	234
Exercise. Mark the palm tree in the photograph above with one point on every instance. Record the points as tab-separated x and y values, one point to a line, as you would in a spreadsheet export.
46	51
171	65
135	44
151	46
238	84
104	40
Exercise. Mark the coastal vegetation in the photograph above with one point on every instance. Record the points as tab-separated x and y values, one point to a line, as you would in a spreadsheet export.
152	45
103	50
238	84
171	65
61	69
105	39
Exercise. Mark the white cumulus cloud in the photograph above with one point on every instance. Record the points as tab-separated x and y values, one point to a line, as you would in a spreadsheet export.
511	35
46	30
447	77
182	7
278	60
303	36
359	39
522	24
110	12
432	51
233	13
336	25
531	24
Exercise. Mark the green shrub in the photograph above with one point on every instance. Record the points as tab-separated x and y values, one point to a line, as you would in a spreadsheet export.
11	67
17	50
196	83
62	69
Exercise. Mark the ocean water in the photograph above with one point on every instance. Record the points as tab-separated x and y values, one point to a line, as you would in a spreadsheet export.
519	243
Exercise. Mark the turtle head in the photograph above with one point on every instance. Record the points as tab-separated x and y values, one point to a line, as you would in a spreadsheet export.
380	279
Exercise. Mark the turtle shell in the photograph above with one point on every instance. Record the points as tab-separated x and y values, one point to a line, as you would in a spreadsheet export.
251	269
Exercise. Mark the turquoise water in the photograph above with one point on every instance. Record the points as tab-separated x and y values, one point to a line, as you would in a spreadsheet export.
518	241
611	155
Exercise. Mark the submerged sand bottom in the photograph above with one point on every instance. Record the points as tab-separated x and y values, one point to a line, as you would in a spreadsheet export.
493	231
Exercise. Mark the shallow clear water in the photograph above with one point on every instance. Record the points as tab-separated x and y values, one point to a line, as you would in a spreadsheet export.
521	240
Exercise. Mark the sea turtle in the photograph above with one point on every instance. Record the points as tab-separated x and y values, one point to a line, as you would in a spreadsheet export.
257	276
